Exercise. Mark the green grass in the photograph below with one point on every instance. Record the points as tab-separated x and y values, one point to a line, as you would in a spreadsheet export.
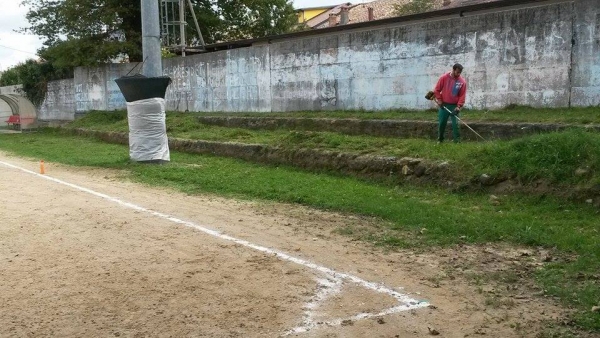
553	157
571	229
580	116
101	120
186	126
588	115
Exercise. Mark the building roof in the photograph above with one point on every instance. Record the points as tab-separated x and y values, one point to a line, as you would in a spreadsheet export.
313	8
383	9
441	12
323	18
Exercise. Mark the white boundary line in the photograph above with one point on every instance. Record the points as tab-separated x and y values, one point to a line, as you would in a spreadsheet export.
406	303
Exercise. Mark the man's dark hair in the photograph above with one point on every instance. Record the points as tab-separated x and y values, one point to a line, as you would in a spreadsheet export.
457	66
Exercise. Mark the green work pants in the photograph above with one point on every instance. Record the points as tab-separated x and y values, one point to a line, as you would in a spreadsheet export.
443	121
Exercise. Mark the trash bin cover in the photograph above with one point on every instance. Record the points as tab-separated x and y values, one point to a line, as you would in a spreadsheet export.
139	87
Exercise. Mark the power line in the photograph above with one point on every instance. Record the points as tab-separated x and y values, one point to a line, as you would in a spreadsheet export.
18	50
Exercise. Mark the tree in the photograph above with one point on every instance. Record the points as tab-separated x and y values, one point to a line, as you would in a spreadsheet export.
414	7
246	19
33	75
10	77
90	32
86	32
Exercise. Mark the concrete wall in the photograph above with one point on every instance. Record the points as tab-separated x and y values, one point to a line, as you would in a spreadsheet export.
521	57
517	56
11	90
543	55
95	88
90	89
229	81
585	87
60	101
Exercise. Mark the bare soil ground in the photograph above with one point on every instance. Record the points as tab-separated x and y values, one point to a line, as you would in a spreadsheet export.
75	264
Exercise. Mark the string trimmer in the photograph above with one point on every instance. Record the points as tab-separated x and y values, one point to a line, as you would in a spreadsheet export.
431	96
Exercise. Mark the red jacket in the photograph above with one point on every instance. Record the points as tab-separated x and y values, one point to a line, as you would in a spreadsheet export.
451	90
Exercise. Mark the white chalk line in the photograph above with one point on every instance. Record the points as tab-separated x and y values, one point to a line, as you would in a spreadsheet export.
407	303
326	287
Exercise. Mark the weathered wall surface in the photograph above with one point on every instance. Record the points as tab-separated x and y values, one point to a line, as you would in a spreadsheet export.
547	55
96	89
516	56
11	90
90	89
60	101
521	57
585	90
114	98
228	81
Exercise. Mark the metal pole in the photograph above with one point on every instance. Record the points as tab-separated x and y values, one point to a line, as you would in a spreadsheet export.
182	26
196	22
151	39
172	25
163	26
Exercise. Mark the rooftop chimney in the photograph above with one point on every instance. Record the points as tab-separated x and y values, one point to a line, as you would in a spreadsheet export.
371	15
344	15
332	20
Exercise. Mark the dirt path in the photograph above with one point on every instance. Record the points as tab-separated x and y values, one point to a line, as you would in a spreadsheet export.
77	264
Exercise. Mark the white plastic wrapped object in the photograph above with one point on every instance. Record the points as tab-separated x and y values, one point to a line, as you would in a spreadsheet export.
147	130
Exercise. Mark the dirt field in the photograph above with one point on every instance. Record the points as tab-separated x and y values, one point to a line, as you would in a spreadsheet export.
77	264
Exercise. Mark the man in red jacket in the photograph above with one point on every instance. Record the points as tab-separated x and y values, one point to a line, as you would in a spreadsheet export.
450	92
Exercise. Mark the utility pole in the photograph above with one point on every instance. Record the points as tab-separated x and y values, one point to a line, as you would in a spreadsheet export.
145	95
151	39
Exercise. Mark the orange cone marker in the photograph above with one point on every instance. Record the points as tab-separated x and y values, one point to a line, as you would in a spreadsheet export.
42	169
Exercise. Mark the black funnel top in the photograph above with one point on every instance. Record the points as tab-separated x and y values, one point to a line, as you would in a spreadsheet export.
139	87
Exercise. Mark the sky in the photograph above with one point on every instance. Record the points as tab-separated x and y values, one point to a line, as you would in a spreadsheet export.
18	47
15	47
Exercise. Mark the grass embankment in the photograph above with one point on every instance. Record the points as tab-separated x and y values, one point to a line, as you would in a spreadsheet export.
552	157
571	230
588	115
